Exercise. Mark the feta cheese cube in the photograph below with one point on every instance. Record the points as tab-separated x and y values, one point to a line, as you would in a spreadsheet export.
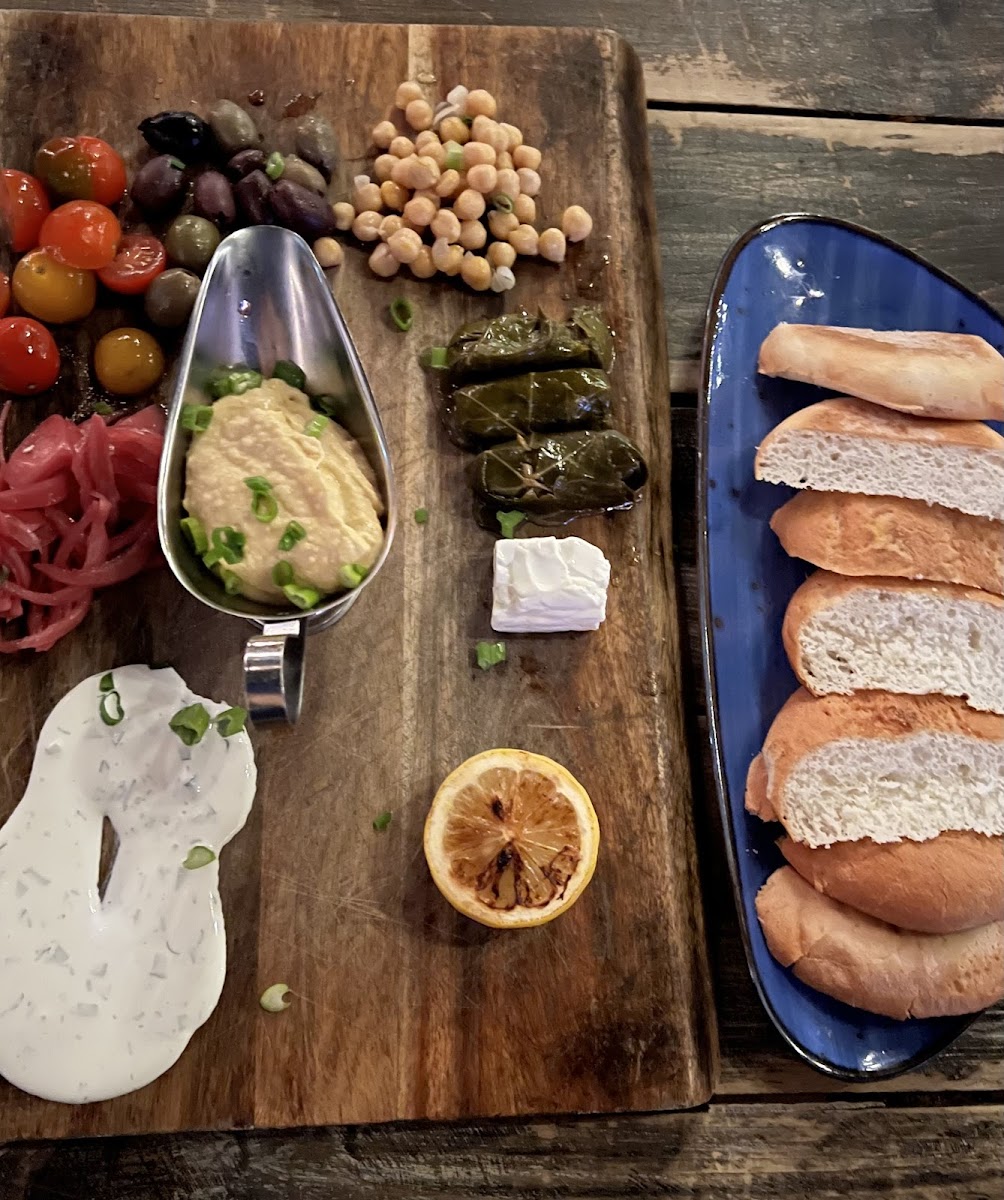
549	585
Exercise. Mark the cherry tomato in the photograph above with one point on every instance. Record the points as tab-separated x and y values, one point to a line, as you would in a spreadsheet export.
4	293
81	168
23	207
51	291
29	360
128	361
140	259
81	234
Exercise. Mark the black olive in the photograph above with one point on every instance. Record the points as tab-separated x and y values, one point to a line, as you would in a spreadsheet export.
182	134
159	186
252	198
246	161
213	198
304	212
170	298
316	144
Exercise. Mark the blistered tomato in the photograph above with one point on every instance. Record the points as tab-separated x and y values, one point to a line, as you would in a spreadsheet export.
29	359
81	234
51	291
81	168
23	207
128	361
4	293
140	259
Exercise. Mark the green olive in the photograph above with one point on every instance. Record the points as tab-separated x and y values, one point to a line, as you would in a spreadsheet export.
170	298
191	242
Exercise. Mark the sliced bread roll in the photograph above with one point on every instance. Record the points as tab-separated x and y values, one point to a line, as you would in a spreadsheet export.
880	766
848	445
886	535
844	635
952	882
871	965
953	375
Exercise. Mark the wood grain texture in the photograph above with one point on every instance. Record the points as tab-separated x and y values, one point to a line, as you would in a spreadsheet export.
938	58
403	1008
728	1152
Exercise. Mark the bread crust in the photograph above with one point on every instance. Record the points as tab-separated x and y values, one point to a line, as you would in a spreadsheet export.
947	884
955	376
888	535
872	965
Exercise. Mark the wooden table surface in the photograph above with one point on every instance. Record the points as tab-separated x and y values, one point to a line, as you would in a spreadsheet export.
885	113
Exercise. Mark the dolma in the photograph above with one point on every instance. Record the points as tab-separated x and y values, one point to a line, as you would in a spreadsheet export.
499	410
521	341
555	477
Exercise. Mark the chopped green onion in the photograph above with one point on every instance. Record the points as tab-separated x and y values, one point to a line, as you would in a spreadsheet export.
509	521
381	822
490	654
106	683
273	999
275	164
468	121
198	856
231	721
352	575
293	533
257	483
103	408
110	708
227	546
290	373
502	202
232	381
193	529
231	582
265	507
421	516
196	417
282	573
176	163
402	313
434	358
331	406
454	156
303	597
315	426
191	723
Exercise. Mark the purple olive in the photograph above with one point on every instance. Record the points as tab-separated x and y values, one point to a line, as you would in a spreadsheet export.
246	161
159	185
252	194
213	198
301	210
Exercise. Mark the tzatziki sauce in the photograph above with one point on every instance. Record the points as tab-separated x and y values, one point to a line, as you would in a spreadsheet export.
100	995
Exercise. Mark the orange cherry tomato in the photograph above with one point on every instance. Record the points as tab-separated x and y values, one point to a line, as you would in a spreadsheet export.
51	291
29	359
140	259
81	234
23	207
4	293
128	361
81	168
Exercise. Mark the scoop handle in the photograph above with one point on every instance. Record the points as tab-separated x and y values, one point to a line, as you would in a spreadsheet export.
273	672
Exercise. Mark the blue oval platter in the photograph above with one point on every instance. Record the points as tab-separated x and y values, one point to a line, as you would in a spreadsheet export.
811	270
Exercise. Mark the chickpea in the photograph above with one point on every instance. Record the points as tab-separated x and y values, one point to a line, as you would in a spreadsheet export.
498	140
447	182
501	254
503	280
478	152
393	195
576	223
420	210
525	209
367	198
404	245
453	129
551	245
418	114
446	257
524	239
461	186
382	262
480	103
366	227
402	146
502	223
383	166
529	181
476	272
344	214
473	235
482	178
469	205
328	252
436	151
406	92
426	138
424	172
422	266
389	226
384	134
507	182
514	136
504	161
526	156
446	224
482	128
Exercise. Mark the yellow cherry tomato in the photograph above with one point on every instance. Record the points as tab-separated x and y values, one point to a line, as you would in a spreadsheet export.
128	361
52	292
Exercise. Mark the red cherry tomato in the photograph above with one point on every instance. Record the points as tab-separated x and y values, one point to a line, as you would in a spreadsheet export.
4	293
81	168
81	234
23	207
29	360
140	259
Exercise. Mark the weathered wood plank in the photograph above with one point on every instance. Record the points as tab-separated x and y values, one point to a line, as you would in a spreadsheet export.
939	58
739	1151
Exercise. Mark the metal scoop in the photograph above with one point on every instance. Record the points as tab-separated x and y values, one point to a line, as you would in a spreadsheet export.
264	298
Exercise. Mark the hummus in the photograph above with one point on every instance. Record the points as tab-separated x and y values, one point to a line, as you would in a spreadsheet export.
324	483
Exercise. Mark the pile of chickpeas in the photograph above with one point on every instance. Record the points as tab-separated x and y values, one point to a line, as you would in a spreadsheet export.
458	198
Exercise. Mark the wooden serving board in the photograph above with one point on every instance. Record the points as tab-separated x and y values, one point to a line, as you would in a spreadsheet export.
404	1009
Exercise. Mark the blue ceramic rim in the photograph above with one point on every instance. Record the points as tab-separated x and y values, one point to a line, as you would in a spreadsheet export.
707	628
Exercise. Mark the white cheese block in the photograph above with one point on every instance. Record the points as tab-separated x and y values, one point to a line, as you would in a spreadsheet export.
549	585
